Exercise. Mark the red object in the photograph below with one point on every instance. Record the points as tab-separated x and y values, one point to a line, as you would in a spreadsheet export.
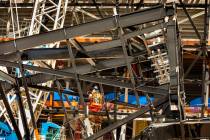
95	107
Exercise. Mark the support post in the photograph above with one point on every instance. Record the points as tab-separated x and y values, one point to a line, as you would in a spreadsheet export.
29	102
22	112
125	53
174	53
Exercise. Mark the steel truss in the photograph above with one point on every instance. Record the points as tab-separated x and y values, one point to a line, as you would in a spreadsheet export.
158	13
140	17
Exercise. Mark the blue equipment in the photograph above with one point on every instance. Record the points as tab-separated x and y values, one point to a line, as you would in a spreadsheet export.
50	131
6	133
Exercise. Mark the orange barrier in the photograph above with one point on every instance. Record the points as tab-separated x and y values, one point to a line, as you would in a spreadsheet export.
79	39
185	42
3	39
57	104
92	39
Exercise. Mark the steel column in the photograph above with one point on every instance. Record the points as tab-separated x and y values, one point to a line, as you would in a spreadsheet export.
61	53
175	67
75	72
7	77
125	53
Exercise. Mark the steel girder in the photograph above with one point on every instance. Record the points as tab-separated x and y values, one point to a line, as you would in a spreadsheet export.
176	69
88	78
119	123
5	4
7	77
172	45
61	53
83	69
140	17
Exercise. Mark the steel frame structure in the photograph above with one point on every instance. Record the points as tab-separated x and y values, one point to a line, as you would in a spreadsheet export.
153	14
173	70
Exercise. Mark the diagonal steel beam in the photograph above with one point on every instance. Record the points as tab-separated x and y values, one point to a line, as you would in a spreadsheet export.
7	77
9	111
119	123
192	64
138	6
82	69
140	17
75	72
125	53
63	106
22	112
62	53
33	120
80	48
88	78
190	19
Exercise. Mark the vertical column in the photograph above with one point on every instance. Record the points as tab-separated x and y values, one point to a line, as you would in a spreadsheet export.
206	88
174	55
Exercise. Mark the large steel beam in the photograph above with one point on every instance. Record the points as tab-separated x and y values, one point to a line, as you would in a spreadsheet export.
140	17
7	86
88	78
6	4
76	76
62	53
119	123
82	69
172	46
176	68
7	77
190	19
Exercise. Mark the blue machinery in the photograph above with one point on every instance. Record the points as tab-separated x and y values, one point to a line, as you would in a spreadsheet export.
6	132
197	102
50	131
